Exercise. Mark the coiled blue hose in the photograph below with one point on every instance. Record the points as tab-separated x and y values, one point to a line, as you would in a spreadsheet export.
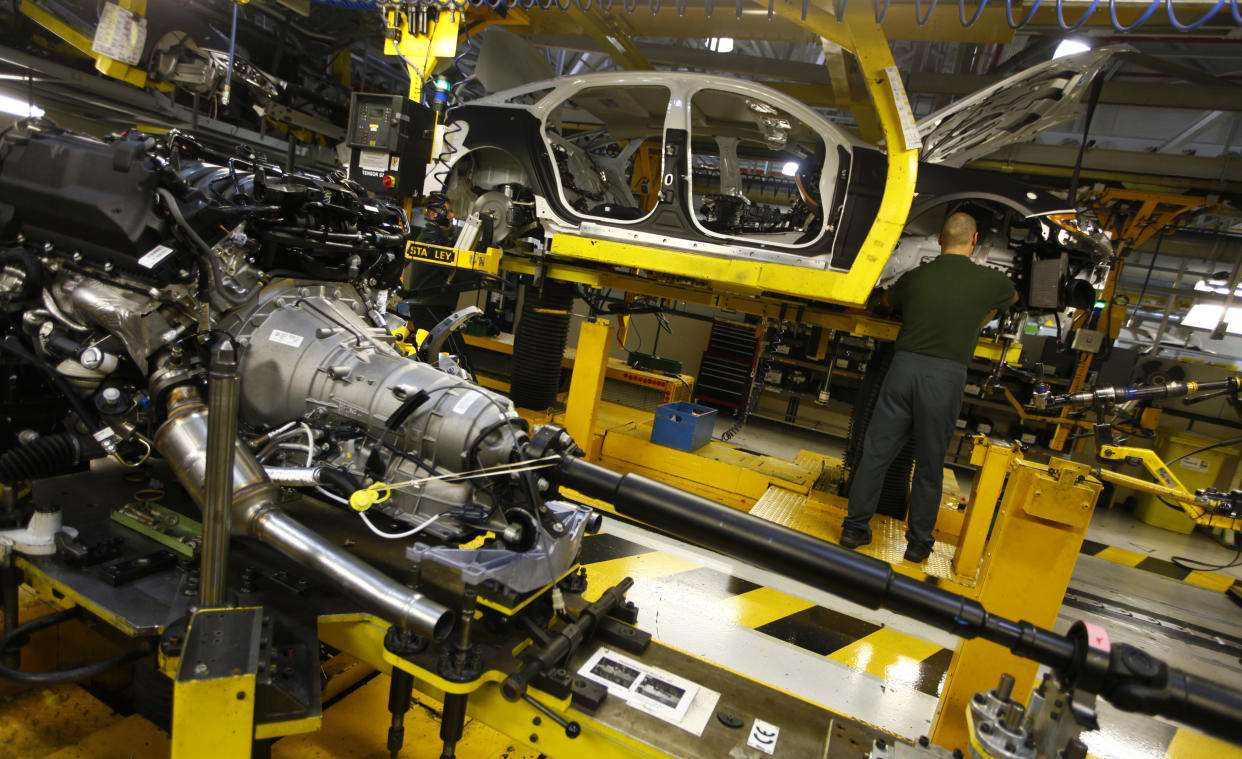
961	12
918	8
1112	14
880	9
1029	16
1085	14
1178	25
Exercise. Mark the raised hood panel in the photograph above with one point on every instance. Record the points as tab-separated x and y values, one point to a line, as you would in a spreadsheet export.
1013	110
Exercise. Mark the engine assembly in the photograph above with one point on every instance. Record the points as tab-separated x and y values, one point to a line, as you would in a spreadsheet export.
175	249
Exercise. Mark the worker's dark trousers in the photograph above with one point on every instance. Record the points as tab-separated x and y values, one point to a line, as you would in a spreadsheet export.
920	395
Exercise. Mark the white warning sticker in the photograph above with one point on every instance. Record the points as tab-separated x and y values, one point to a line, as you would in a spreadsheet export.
285	338
763	736
152	257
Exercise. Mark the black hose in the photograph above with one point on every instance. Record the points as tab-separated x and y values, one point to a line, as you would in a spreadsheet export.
338	480
87	414
59	677
208	258
47	456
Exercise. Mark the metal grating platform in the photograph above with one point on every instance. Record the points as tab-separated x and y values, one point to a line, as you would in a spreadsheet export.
888	535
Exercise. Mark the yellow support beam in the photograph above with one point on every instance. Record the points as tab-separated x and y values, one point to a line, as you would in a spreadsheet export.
766	305
214	689
76	39
993	462
1027	563
611	36
587	383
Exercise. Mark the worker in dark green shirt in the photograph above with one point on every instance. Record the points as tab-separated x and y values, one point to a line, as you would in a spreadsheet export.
943	303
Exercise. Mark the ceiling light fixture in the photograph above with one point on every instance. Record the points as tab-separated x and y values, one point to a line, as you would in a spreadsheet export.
720	44
1071	46
19	107
789	169
1212	315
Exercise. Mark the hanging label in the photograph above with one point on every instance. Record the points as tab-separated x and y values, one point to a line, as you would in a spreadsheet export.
905	114
285	338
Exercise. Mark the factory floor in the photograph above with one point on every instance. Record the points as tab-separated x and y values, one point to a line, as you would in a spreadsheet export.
873	665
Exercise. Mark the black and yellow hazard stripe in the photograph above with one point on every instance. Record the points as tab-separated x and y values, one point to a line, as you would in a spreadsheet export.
865	646
860	644
1209	580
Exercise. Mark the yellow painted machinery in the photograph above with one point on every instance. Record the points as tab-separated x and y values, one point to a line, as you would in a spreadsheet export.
442	543
1207	507
553	669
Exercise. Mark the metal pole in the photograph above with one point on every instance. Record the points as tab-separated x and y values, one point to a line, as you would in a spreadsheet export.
222	400
1168	311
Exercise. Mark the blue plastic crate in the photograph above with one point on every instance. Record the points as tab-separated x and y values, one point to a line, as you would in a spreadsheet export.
684	426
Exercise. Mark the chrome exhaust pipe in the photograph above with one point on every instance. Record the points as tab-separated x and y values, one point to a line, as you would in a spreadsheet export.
222	385
182	440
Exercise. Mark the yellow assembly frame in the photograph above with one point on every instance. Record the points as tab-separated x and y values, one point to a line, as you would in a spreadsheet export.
860	34
420	52
82	44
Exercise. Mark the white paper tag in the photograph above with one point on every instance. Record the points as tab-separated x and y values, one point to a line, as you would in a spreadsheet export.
286	338
152	257
905	114
120	34
763	736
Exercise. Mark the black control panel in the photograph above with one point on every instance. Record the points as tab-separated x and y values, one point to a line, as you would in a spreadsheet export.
390	138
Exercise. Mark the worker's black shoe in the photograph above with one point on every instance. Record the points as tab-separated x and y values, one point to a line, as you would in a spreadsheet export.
917	552
852	537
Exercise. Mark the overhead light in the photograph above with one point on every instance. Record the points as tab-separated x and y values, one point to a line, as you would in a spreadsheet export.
1217	285
1209	316
1070	46
19	107
720	44
789	169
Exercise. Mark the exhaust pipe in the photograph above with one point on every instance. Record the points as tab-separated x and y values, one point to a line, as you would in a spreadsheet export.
182	440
